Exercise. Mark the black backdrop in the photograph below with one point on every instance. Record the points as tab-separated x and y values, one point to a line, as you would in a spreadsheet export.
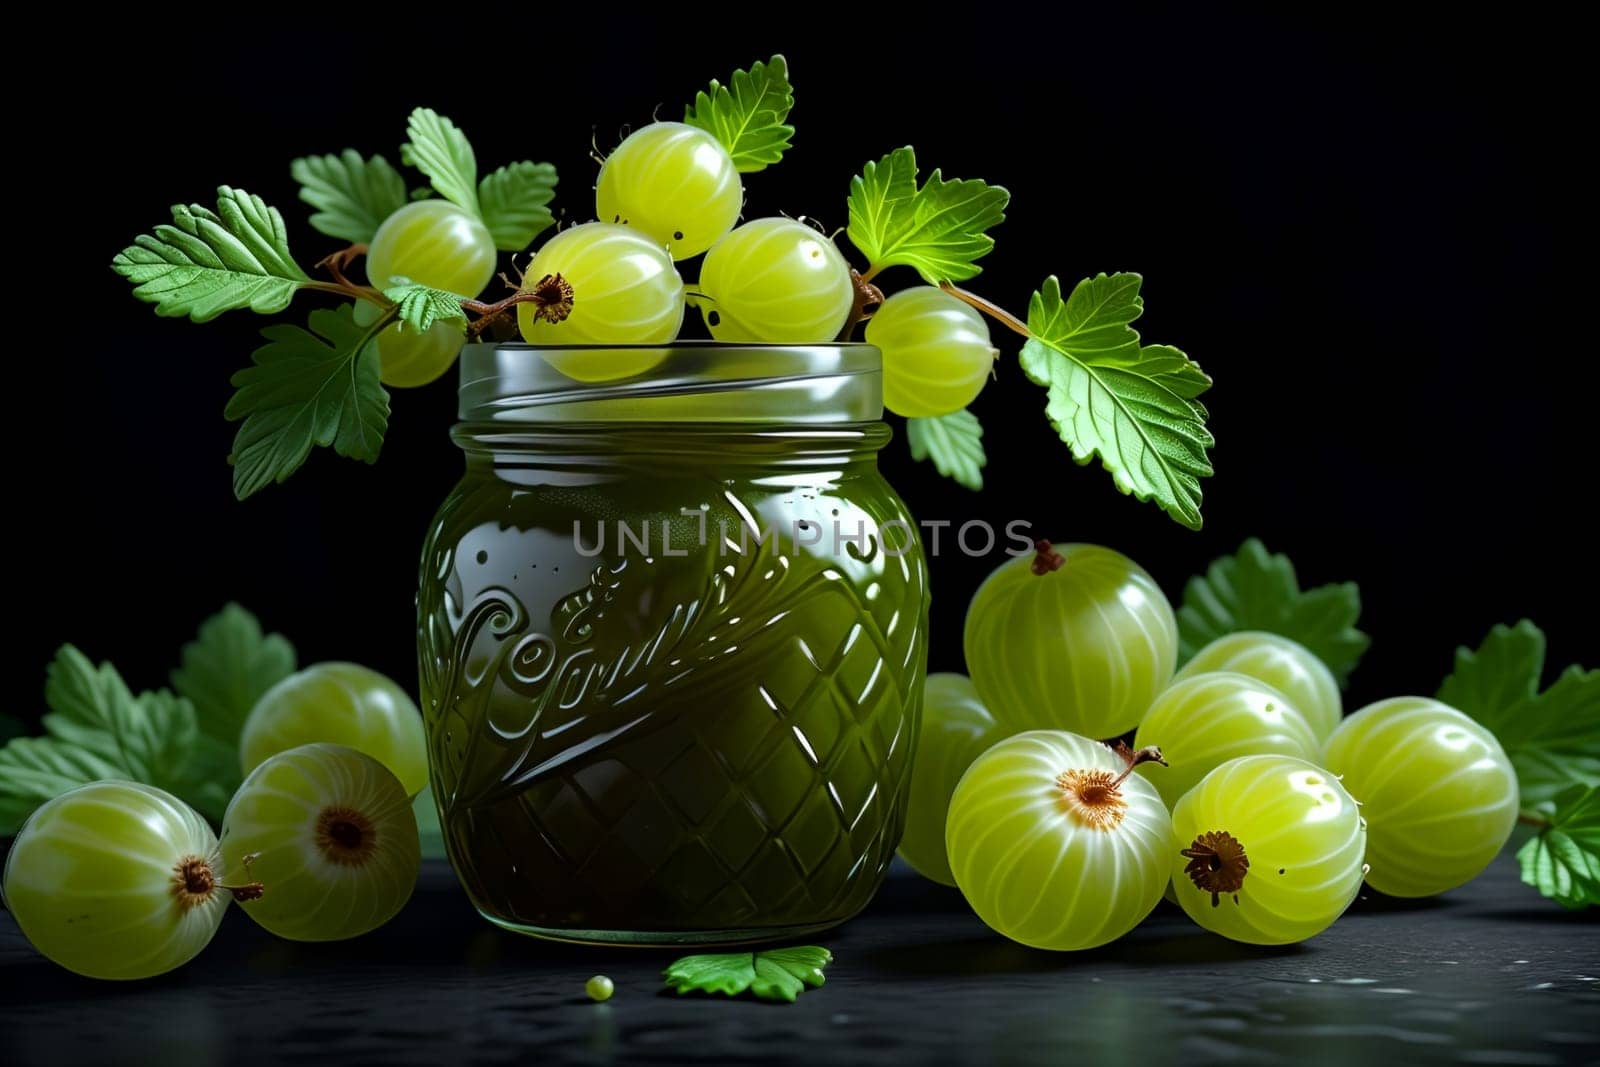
1356	229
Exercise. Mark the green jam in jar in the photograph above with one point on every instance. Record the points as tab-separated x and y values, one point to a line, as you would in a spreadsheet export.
672	636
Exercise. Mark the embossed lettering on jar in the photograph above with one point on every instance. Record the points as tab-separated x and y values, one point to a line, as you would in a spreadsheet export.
672	633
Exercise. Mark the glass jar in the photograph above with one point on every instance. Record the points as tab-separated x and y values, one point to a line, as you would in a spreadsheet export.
672	630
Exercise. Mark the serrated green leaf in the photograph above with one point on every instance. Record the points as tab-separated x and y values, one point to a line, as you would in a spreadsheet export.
1563	861
418	307
352	195
35	769
316	387
955	444
207	262
1552	738
146	739
98	729
516	203
1256	590
940	229
441	151
1500	675
226	668
747	115
1134	407
776	974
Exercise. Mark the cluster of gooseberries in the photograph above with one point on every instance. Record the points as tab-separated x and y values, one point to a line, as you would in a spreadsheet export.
1246	795
668	193
122	880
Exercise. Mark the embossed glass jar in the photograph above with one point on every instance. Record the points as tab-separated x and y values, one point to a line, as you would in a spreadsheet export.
672	636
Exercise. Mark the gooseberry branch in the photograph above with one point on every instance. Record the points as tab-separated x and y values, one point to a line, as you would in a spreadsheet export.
335	263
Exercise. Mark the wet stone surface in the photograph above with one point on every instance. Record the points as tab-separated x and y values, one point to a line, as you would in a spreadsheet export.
1488	974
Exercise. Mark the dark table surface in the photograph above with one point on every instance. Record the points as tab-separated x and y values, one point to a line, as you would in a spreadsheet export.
1488	974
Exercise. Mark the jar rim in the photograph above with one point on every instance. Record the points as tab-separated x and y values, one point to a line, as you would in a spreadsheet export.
681	381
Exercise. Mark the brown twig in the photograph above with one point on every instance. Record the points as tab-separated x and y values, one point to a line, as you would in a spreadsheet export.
552	294
868	298
1147	754
335	263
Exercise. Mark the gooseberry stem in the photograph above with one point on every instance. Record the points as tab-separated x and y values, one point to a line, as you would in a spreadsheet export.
1147	754
250	890
552	293
1047	559
1533	818
358	292
989	308
195	881
867	299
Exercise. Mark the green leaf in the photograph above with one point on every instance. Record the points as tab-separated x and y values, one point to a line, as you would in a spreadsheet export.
418	307
352	195
939	229
1255	590
1132	406
1553	737
430	834
210	775
441	151
226	668
207	262
146	739
98	729
748	115
776	974
316	387
955	444
516	201
1563	861
35	769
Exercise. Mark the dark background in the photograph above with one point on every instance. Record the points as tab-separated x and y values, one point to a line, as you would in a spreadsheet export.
1359	230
